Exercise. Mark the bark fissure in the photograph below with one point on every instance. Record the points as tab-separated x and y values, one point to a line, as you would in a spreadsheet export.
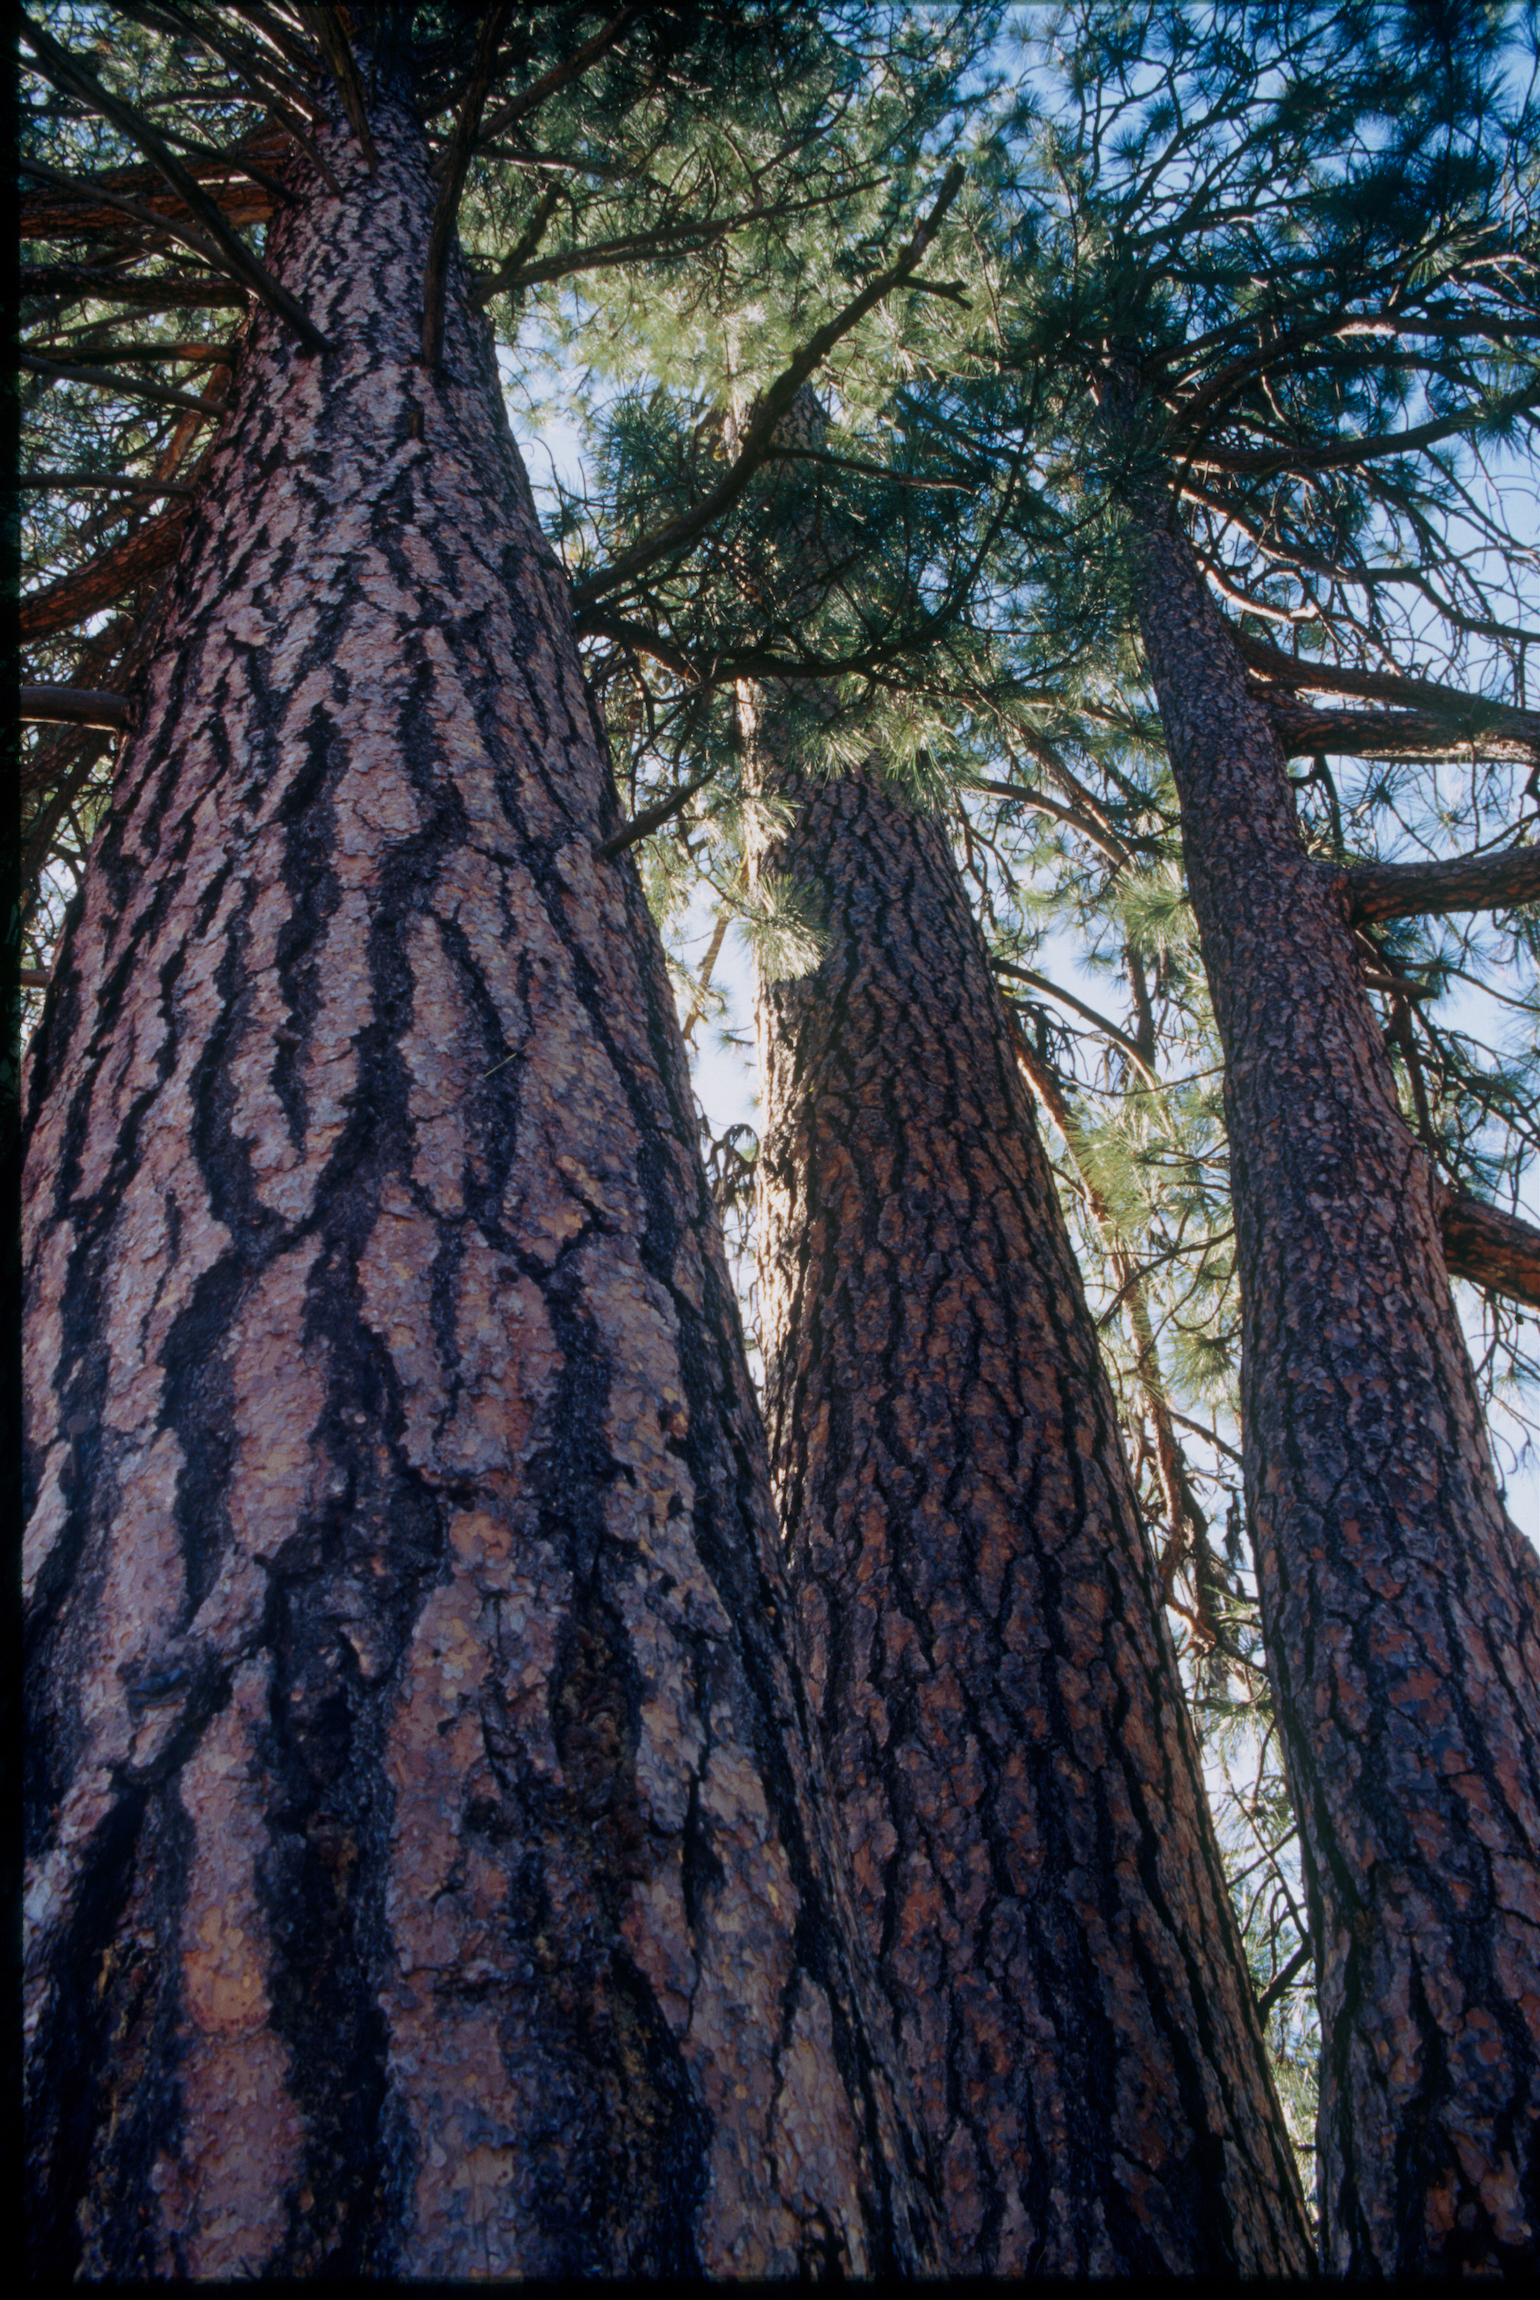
981	1632
402	1531
1401	1608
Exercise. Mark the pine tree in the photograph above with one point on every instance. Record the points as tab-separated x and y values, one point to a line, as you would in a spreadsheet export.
1289	276
1003	1719
432	1868
933	1386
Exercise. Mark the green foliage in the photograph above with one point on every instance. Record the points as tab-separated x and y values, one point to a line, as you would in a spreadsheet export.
1233	253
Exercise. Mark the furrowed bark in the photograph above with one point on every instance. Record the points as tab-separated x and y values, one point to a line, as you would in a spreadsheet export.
1491	1248
1004	1723
1401	1607
1184	1516
430	1868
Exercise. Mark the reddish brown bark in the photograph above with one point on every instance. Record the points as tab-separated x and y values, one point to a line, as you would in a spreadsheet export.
430	1868
1401	1607
148	551
54	215
1004	1723
1465	882
1491	1248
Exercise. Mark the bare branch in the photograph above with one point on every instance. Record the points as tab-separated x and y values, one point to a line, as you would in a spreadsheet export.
1466	717
642	639
1466	882
1304	730
650	819
109	379
92	482
146	552
91	207
71	707
1072	817
194	290
1491	1248
1120	1038
1284	1980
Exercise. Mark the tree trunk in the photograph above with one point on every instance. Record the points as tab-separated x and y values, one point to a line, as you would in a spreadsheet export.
1000	1705
1400	1605
431	1867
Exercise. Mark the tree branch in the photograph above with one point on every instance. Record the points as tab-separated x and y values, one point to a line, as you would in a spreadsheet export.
65	73
1348	452
1491	1248
1303	730
531	98
109	379
760	435
91	204
869	470
71	707
509	273
1465	717
1283	1980
146	552
447	206
519	270
1120	1038
152	220
189	292
92	482
643	639
261	77
650	819
1467	882
1072	817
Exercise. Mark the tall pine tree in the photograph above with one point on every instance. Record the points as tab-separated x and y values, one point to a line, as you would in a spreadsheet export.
1279	274
432	1873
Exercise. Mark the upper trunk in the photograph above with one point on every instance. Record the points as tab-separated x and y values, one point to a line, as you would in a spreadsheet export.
1000	1705
429	1873
1401	1606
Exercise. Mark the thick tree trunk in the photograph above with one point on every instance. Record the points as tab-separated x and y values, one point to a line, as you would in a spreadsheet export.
1000	1706
430	1872
1401	1607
